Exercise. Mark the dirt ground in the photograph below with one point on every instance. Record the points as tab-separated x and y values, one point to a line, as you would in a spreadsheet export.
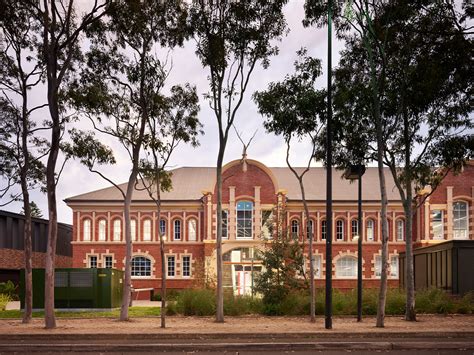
248	324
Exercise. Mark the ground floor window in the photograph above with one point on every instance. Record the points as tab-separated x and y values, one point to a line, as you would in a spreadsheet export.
141	266
171	266
346	267
317	266
438	228
393	268
186	266
93	261
108	262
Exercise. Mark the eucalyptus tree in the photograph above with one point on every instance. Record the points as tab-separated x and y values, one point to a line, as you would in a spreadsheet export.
20	155
295	109
122	83
177	123
232	38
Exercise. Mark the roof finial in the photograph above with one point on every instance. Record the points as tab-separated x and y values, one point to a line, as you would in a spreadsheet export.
244	151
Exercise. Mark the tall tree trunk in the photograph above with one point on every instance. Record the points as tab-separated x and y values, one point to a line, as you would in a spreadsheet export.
162	254
220	288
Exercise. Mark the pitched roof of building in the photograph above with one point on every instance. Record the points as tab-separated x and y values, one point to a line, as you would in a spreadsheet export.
189	183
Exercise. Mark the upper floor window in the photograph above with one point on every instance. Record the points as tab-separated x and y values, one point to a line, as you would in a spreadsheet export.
147	230
460	220
192	230
225	223
346	267
309	228
323	229
177	229
133	229
295	226
438	227
244	219
370	230
117	229
102	229
354	228
340	229
141	266
162	226
400	229
267	224
86	229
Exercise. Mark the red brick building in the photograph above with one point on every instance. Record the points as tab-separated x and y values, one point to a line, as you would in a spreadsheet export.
252	195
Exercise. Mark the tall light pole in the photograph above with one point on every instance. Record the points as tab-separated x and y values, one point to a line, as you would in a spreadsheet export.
328	308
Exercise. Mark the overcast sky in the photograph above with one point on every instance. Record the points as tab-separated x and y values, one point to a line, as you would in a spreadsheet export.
266	148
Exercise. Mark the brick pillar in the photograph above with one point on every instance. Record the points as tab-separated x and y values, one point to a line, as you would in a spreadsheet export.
449	212
426	234
231	217
394	234
209	216
257	213
471	228
78	226
93	226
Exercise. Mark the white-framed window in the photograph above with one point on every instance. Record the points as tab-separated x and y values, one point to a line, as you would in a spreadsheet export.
192	230
108	261
460	225
346	267
177	229
400	229
438	225
86	229
147	230
225	224
317	266
186	266
141	266
117	229
340	229
309	228
171	266
162	226
323	230
244	219
133	229
354	228
102	230
93	261
295	227
369	230
267	224
393	269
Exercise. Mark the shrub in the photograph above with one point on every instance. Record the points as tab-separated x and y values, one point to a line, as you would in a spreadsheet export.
4	299
466	304
196	302
8	288
434	301
156	297
240	305
396	302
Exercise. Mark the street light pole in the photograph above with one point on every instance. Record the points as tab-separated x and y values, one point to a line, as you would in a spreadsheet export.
328	308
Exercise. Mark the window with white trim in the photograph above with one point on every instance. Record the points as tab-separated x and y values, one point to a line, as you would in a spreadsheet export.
192	230
86	229
162	226
117	230
147	230
108	261
400	229
340	229
93	261
225	224
295	226
460	225
346	267
393	266
244	219
141	266
369	231
323	230
317	266
309	228
102	230
177	229
133	229
171	266
354	228
437	222
186	266
267	224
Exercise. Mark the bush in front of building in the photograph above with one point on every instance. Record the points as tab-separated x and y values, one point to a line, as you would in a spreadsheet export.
9	288
4	299
196	302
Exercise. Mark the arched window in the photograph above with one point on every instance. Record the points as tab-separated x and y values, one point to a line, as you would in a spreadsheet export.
346	267
117	230
400	229
141	266
162	226
192	230
340	229
133	229
177	229
369	231
147	230
354	228
323	230
102	230
295	226
309	228
244	219
86	229
460	214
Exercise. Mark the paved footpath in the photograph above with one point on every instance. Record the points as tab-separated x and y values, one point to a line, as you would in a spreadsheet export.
443	334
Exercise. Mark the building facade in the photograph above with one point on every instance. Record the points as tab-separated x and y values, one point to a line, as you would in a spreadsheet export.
253	196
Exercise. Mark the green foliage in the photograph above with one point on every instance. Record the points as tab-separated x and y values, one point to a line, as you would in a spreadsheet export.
434	301
133	312
8	288
242	305
34	210
199	302
4	299
156	297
